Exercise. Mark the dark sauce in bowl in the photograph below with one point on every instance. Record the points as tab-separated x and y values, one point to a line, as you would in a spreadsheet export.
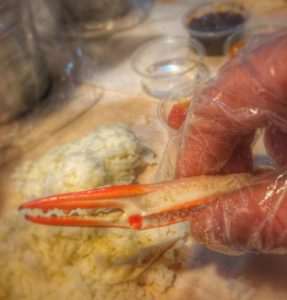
213	28
216	21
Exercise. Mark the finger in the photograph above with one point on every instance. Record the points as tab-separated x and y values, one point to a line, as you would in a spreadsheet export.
275	142
240	160
250	219
245	96
209	147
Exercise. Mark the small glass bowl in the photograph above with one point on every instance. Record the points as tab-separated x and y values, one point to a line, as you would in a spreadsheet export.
241	37
181	96
205	15
165	62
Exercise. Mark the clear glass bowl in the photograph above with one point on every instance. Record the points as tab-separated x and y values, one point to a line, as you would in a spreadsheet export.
182	96
211	11
249	34
165	62
185	94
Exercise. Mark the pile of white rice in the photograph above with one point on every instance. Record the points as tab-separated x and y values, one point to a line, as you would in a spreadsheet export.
42	262
110	156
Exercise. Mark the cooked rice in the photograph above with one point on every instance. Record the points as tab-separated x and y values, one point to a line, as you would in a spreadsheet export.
110	156
42	262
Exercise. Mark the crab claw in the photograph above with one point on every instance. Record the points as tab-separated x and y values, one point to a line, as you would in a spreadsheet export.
133	206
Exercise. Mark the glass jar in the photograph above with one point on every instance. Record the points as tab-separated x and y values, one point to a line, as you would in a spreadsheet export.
24	75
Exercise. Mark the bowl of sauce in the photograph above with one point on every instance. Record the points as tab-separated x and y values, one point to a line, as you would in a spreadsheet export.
251	34
212	22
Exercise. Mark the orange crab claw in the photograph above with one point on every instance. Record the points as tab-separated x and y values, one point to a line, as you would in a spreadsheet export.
132	206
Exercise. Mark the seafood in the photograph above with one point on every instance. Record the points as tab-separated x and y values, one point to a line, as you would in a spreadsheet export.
231	213
133	206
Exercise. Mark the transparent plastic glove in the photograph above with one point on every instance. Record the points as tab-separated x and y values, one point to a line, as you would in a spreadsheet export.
250	92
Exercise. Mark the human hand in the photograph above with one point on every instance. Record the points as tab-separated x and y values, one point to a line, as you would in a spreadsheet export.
250	92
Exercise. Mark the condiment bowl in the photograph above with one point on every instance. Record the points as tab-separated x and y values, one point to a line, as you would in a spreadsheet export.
240	38
212	22
179	98
165	62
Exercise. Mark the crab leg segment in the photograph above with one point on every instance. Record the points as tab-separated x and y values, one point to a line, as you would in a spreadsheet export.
133	206
92	208
88	199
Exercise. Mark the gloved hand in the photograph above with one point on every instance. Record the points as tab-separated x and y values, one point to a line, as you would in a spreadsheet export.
249	92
